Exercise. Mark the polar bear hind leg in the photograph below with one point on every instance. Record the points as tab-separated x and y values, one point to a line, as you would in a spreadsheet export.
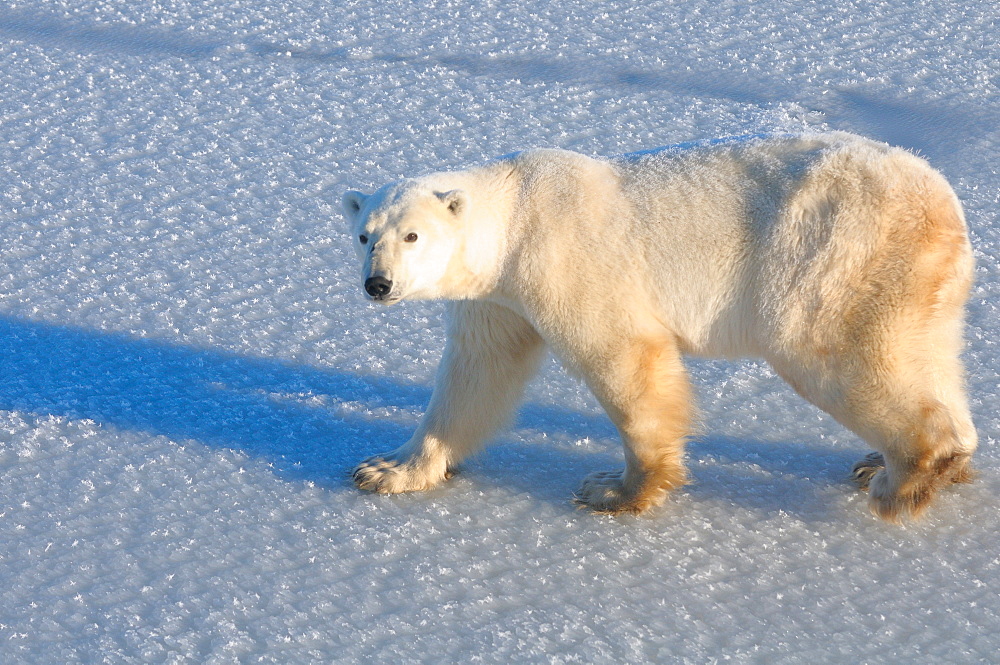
933	446
903	479
928	442
912	410
897	379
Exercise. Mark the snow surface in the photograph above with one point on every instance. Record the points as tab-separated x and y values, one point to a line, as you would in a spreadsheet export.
188	369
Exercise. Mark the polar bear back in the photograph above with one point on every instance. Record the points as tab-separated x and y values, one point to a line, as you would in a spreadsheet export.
734	244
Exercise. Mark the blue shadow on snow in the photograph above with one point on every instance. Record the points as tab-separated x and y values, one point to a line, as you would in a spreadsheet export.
219	399
261	407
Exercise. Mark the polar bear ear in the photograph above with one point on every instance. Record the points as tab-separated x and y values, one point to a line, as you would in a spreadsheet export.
353	202
457	201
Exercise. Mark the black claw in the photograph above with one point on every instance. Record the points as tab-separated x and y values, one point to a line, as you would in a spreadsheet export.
863	472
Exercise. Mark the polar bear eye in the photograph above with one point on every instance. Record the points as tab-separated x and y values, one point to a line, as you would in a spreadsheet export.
410	237
363	239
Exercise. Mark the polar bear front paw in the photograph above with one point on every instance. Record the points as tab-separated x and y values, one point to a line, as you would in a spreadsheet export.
607	492
387	474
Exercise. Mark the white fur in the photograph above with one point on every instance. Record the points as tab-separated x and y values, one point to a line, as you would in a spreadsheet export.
843	262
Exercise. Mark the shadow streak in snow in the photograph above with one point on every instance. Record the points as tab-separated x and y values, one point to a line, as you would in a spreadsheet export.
144	41
77	35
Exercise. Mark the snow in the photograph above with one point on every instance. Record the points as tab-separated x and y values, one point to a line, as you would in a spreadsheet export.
188	369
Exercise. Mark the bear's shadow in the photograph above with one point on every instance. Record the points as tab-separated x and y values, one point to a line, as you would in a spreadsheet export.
286	415
764	477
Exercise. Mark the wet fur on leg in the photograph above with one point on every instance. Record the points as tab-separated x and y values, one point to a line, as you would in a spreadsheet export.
652	407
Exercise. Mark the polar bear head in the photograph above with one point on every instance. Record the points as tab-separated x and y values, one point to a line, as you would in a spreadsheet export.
407	236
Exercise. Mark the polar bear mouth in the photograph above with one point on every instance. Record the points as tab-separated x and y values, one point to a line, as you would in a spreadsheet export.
385	299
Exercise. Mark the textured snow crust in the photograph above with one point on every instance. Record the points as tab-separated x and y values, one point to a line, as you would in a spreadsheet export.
188	369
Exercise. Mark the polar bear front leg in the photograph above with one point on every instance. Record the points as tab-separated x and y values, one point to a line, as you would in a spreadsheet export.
490	355
645	390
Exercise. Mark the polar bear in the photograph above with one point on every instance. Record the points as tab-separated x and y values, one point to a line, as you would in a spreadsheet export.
843	262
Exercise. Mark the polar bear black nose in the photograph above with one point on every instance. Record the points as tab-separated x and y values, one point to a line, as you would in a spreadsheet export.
378	286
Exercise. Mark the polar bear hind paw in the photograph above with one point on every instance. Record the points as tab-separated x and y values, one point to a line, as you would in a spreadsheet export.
894	501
